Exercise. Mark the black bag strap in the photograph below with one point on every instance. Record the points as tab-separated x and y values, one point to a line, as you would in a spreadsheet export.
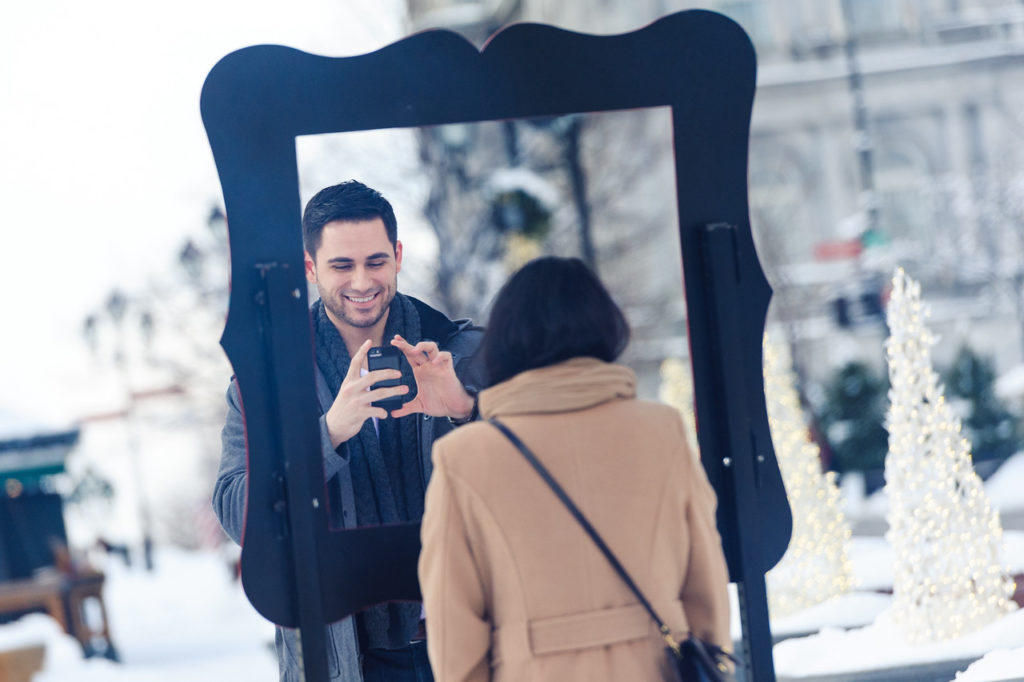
582	520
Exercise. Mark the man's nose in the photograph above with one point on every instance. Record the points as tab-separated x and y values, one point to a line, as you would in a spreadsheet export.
361	280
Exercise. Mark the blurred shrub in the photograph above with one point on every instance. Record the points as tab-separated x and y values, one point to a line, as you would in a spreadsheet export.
852	418
993	431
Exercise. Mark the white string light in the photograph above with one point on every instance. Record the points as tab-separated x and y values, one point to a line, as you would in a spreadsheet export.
816	566
948	578
676	389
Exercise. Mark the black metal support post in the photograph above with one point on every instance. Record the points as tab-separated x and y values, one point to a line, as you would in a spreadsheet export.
738	447
297	503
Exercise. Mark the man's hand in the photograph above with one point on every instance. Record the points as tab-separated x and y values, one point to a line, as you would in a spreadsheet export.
352	405
439	391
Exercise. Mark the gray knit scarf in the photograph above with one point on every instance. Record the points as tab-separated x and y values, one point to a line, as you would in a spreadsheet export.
386	471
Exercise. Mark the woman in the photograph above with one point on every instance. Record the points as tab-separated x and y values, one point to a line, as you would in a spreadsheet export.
513	588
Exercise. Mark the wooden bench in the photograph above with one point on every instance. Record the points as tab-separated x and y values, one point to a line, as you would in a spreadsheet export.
63	597
19	665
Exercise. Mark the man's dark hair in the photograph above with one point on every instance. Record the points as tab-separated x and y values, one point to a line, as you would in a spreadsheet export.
350	200
551	310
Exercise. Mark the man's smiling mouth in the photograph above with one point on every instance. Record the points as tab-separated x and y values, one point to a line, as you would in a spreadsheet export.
361	299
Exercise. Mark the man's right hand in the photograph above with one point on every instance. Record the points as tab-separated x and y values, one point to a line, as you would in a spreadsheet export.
352	405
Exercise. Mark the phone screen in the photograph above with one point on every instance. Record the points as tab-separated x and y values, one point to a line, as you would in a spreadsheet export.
385	357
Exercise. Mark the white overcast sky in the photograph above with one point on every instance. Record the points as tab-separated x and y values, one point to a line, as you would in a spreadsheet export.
104	164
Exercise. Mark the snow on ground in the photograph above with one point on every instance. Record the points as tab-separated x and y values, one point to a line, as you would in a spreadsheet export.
855	633
881	645
1004	486
188	620
1000	664
872	560
846	611
1003	489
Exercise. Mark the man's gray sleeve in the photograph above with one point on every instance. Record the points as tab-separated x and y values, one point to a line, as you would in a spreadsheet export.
229	492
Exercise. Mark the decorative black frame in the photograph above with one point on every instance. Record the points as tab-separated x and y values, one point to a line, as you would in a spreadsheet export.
256	101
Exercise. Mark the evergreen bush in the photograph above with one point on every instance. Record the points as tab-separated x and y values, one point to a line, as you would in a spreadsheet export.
994	432
852	418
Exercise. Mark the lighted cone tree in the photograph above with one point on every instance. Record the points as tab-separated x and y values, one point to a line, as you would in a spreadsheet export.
676	389
948	579
816	566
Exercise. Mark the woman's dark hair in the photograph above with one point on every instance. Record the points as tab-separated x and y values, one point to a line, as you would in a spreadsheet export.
551	310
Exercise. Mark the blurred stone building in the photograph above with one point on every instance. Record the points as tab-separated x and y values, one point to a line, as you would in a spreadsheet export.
884	132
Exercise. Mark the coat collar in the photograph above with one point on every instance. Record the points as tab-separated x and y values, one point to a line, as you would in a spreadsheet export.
434	324
574	384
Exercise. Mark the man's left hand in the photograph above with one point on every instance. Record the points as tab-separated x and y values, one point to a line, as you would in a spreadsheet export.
439	391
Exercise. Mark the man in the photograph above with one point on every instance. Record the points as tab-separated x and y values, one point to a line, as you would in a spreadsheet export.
376	464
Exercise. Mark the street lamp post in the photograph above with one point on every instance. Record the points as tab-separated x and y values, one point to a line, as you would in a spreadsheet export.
116	309
863	141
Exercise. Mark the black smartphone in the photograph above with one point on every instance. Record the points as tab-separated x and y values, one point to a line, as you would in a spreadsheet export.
385	357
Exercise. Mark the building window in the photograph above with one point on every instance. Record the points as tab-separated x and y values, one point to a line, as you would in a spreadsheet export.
902	173
874	18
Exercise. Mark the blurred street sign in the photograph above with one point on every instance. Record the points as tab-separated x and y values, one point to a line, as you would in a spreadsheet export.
841	249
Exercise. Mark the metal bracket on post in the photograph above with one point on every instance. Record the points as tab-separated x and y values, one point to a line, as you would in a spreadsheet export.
738	449
279	296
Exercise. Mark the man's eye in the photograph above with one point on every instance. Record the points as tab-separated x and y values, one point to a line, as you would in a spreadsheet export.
342	268
376	264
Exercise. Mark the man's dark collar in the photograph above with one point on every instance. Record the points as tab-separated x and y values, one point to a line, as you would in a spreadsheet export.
434	324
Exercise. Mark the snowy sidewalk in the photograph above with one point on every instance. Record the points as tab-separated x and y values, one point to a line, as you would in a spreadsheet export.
185	621
943	671
190	620
854	640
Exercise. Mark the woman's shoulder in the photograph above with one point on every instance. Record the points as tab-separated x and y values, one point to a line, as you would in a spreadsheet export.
467	441
653	411
657	426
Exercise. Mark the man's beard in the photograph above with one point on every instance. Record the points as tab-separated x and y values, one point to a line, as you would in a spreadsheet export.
336	308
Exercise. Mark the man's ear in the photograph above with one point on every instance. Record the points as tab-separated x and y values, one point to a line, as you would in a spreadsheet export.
310	267
398	256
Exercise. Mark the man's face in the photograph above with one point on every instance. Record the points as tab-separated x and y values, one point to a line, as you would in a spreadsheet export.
356	272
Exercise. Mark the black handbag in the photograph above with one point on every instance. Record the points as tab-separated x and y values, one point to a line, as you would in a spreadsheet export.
693	659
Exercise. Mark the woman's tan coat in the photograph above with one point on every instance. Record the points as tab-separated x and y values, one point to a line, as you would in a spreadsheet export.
514	589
